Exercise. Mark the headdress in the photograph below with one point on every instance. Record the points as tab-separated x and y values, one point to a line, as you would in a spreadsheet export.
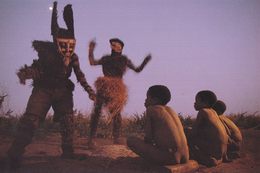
64	38
58	32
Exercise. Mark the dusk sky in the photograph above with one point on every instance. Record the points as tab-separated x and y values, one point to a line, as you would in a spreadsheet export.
195	45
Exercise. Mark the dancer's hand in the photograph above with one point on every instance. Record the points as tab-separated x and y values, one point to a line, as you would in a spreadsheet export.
92	96
92	45
147	58
21	77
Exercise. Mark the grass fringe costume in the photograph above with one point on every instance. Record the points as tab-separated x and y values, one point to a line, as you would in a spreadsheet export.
110	88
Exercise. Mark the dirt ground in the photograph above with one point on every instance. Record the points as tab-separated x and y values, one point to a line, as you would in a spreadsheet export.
42	156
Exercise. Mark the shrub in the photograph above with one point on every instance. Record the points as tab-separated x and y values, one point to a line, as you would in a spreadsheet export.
245	120
186	121
8	124
133	125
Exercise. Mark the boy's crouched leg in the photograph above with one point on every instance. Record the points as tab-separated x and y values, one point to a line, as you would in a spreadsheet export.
136	145
149	152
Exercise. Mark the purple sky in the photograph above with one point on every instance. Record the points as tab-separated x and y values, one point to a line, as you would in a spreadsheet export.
196	45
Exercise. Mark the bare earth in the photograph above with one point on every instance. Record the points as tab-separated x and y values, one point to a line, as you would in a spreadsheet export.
42	156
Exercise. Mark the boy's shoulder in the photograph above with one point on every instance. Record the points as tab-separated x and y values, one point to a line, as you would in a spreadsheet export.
159	109
206	111
223	117
227	120
156	108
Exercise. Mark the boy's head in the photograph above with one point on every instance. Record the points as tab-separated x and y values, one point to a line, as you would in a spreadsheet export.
219	107
157	95
205	99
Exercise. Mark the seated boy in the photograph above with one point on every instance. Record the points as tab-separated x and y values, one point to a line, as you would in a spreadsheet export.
164	142
233	132
208	142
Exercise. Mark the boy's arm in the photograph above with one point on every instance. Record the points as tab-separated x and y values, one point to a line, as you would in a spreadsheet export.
198	122
81	77
148	138
141	67
91	58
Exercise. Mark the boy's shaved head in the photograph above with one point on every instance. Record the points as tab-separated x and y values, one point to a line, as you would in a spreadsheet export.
208	97
219	107
161	92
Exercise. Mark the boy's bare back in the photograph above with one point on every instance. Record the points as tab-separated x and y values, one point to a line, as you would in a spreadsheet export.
234	131
165	128
210	132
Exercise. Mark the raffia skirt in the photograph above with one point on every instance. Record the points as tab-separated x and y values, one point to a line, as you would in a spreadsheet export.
113	94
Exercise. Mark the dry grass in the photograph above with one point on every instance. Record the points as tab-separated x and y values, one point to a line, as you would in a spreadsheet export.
132	125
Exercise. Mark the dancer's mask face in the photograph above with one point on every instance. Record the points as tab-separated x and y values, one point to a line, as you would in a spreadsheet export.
66	46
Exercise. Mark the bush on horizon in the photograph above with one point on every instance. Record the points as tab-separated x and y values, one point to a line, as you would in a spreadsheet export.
133	125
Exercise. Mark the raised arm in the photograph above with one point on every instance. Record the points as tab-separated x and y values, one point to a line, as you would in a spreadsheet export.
81	77
91	47
141	67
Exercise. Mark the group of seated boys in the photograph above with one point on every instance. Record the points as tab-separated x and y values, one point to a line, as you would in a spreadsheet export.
212	139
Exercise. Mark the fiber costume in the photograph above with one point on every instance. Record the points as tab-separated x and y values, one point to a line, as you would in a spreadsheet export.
110	88
51	86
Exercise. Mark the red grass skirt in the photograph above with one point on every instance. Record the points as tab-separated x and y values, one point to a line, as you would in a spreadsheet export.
112	92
